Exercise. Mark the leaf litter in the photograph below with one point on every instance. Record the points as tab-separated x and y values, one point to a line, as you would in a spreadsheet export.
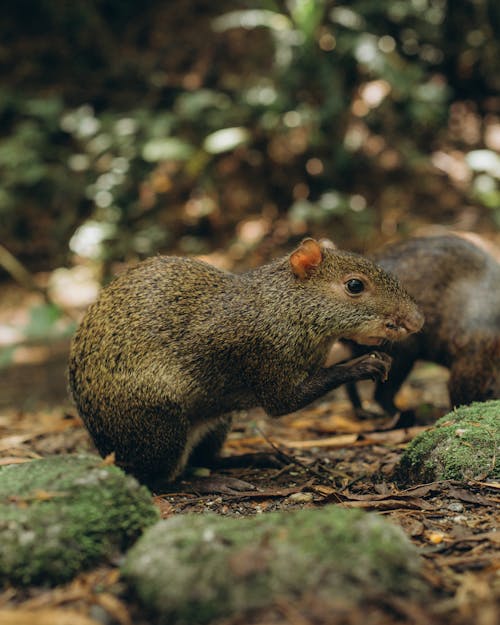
327	457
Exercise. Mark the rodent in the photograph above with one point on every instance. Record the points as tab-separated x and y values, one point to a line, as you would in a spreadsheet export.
457	287
173	345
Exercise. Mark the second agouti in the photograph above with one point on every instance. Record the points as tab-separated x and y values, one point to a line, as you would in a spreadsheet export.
457	286
173	345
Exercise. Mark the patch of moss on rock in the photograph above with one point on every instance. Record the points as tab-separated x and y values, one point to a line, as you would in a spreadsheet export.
59	515
464	444
194	568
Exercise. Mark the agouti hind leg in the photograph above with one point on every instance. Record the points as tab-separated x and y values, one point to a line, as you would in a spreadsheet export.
156	452
206	452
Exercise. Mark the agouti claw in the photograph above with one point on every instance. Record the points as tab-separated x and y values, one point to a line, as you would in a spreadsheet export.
385	372
373	366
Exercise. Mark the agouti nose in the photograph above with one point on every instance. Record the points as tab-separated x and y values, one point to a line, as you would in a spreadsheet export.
414	322
408	325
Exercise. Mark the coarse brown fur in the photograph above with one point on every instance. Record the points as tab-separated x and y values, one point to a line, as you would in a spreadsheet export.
173	345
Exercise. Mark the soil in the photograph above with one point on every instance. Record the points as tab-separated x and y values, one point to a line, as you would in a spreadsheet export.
326	455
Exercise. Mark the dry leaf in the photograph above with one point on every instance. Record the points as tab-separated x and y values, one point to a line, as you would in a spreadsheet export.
8	442
392	437
342	440
109	460
465	495
494	485
13	460
322	489
244	445
44	617
53	426
385	504
114	607
270	493
165	507
332	423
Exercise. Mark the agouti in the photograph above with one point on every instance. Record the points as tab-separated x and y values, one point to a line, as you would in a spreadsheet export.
173	345
457	286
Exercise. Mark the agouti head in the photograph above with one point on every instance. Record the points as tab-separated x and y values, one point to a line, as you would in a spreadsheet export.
370	305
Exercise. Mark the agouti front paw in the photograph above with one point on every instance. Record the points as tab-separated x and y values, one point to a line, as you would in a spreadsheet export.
373	366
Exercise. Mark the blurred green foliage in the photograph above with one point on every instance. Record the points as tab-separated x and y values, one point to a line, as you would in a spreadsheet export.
129	127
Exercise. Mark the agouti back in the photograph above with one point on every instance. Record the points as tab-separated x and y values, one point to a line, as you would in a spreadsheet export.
457	286
173	345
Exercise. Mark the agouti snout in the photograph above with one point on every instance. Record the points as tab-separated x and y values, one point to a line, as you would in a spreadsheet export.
173	346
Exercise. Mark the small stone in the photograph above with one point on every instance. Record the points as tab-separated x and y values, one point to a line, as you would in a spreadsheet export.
62	514
197	568
456	506
301	497
461	446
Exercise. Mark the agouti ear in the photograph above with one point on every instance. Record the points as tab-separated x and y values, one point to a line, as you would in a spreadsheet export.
307	256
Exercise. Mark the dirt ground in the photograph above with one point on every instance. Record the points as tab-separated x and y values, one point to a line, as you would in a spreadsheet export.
327	456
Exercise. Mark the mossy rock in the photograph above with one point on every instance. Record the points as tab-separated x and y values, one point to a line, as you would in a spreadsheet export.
61	514
194	568
462	445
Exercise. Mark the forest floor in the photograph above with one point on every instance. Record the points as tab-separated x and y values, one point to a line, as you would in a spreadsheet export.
328	456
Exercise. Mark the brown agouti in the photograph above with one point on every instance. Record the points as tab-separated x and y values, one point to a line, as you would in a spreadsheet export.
457	286
173	345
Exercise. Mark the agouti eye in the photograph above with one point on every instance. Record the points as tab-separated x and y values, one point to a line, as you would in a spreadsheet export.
354	286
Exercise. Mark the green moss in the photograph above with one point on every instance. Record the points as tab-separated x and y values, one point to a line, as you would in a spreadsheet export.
464	444
59	515
191	569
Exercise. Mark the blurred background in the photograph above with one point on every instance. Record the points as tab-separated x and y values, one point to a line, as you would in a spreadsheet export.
227	130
